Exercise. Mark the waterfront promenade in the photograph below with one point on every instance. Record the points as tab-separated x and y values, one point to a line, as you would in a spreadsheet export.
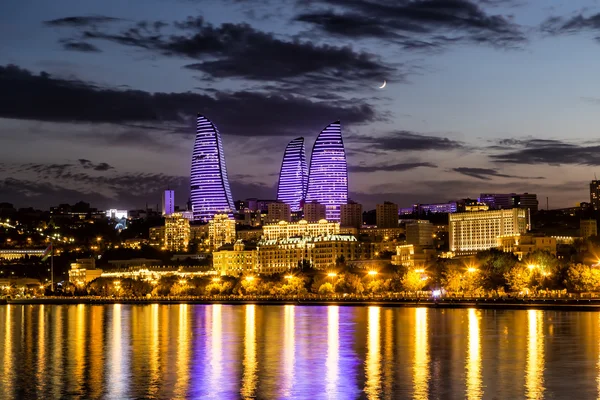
565	303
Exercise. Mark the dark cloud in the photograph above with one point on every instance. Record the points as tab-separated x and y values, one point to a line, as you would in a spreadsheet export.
405	141
243	52
431	22
561	25
87	164
81	21
544	151
80	46
390	167
45	98
487	173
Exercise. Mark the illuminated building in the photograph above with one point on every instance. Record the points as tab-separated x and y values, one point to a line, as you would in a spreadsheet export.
283	230
351	215
235	262
177	232
419	233
510	200
83	271
279	211
209	185
413	256
221	230
116	214
588	228
321	252
293	177
168	202
595	194
157	236
471	232
387	215
314	212
521	245
328	173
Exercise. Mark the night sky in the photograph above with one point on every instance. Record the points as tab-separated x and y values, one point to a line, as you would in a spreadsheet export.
98	99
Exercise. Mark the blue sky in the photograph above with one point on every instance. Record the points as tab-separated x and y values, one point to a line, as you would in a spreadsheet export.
482	96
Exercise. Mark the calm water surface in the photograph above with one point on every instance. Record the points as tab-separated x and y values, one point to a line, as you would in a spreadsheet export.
278	352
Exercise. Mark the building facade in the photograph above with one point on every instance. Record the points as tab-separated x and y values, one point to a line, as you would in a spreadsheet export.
470	232
157	236
293	176
221	230
510	200
177	232
351	215
83	271
303	228
314	212
236	262
279	211
595	194
322	252
588	228
168	202
521	245
412	256
209	184
328	173
387	215
419	233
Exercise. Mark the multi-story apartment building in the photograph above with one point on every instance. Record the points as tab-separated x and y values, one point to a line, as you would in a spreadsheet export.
279	211
351	215
387	215
221	230
419	233
235	262
177	232
314	212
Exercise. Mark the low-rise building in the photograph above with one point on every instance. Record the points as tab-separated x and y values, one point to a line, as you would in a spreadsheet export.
239	260
588	228
521	245
301	228
83	271
413	256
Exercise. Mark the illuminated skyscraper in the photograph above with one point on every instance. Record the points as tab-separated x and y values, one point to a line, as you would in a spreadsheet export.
210	192
293	177
328	174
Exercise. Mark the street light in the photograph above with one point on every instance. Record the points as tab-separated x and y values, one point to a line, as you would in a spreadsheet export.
372	273
249	278
531	266
288	277
216	279
471	270
182	281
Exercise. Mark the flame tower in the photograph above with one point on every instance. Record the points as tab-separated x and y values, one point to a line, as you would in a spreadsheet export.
328	174
210	192
293	177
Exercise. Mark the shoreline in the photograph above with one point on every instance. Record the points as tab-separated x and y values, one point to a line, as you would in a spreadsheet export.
518	304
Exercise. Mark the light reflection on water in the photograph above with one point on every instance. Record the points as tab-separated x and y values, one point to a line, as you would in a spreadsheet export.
274	352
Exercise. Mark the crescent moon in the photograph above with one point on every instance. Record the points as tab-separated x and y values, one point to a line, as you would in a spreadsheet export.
382	86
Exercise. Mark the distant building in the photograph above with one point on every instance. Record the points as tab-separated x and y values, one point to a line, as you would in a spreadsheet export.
435	208
328	172
314	212
322	252
470	232
83	271
279	211
595	194
283	230
209	183
113	213
168	202
419	233
384	234
588	228
157	236
351	215
510	200
235	262
177	232
221	230
387	215
413	256
293	176
521	245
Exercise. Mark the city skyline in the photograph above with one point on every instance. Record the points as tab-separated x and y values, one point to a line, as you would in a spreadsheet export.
481	96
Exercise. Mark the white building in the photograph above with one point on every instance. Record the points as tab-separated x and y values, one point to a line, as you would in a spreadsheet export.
284	230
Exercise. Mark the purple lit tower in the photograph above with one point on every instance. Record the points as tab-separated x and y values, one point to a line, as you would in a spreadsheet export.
293	177
328	174
210	192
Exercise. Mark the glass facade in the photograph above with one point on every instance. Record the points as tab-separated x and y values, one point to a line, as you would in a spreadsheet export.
293	177
209	185
328	173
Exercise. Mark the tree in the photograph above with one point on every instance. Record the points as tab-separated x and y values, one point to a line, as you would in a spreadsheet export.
518	278
326	288
413	281
452	280
581	278
493	265
349	283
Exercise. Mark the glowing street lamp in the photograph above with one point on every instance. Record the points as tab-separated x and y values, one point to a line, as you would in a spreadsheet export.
531	267
249	278
372	273
471	270
288	277
182	281
216	279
